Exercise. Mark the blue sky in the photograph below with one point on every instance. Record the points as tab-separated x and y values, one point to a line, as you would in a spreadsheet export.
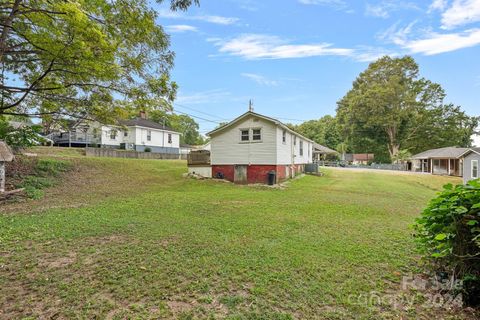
297	58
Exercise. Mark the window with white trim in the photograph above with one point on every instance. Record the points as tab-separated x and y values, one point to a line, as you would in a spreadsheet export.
294	140
113	134
284	136
301	147
257	134
244	135
125	133
149	135
474	169
169	138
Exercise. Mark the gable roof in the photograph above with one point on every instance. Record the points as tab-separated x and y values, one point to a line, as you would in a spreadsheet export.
254	114
141	122
448	152
470	150
318	148
6	153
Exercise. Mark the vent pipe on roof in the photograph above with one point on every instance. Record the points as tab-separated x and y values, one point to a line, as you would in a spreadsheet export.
250	105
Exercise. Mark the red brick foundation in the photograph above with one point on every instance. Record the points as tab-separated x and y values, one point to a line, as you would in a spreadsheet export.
258	173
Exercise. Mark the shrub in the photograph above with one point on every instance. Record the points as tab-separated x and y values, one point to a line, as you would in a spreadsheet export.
448	233
147	149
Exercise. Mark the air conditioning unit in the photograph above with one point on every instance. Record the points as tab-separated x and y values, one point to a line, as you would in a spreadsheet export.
127	146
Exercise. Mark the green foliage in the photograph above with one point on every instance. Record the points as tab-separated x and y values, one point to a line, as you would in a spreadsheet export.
77	57
184	124
323	131
147	149
52	167
448	231
23	136
391	106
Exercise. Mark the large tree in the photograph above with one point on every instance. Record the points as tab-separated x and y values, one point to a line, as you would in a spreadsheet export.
392	105
85	57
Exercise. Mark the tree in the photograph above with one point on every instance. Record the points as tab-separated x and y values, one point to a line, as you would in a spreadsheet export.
84	58
184	124
323	131
391	105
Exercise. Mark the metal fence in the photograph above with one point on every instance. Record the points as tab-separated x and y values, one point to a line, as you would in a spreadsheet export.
116	153
377	166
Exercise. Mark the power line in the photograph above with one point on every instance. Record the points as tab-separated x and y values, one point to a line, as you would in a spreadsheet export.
198	111
191	115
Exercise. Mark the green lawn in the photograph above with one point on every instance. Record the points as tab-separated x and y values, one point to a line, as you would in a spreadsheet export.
133	239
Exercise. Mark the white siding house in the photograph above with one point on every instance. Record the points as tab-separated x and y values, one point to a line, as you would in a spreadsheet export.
135	134
248	148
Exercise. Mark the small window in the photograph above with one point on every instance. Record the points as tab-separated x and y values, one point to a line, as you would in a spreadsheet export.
169	138
125	133
95	133
149	135
474	169
301	147
113	134
244	135
294	140
284	136
257	134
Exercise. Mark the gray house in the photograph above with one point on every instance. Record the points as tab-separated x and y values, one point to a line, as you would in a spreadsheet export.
441	161
471	162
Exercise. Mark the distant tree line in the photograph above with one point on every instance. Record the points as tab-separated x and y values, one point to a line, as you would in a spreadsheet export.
393	112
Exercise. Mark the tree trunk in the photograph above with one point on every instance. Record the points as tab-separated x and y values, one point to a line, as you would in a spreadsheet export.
393	146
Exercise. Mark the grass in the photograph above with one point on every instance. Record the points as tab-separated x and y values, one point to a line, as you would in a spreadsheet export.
133	239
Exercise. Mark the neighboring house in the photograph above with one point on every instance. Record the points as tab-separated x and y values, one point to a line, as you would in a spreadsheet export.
248	148
471	163
186	148
442	161
359	158
321	152
136	134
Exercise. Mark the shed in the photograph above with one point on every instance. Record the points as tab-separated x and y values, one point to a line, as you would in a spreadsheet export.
6	155
442	161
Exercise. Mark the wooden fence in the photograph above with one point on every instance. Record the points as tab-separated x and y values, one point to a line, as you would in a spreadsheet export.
116	153
199	158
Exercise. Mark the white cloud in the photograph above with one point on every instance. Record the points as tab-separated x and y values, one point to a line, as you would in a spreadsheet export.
461	12
376	11
257	46
436	43
179	28
204	97
384	8
439	5
206	18
261	80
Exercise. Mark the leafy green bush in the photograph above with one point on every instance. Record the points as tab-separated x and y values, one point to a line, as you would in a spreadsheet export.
147	149
448	233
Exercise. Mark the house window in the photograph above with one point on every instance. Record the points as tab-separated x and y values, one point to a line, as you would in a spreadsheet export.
284	136
257	134
113	134
295	140
169	138
149	135
474	169
244	135
95	133
301	147
125	133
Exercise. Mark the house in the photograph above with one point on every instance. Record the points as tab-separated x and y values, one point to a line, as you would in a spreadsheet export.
251	146
471	163
441	161
358	158
476	138
321	152
139	134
